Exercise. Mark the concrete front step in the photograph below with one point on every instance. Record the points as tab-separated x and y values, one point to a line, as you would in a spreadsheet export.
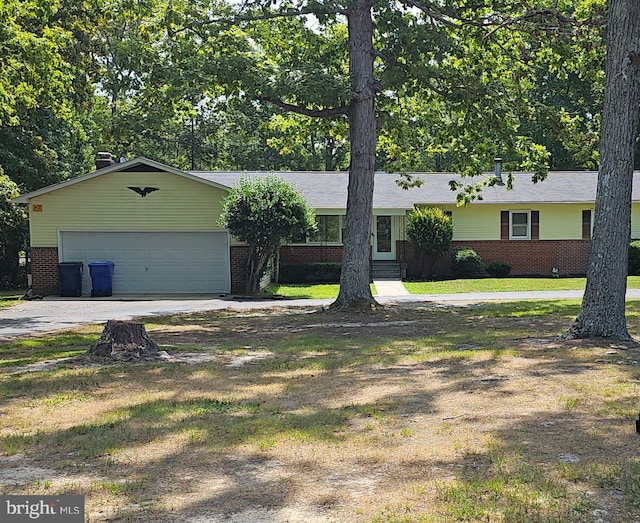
385	270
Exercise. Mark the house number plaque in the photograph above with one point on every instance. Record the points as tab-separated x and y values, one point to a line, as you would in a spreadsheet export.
36	207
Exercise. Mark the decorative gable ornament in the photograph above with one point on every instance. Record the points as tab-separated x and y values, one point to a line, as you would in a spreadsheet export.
143	191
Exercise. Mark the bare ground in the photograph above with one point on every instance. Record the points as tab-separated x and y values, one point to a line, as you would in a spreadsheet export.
383	416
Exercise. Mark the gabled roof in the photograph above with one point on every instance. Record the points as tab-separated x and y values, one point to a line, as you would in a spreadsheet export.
328	190
135	165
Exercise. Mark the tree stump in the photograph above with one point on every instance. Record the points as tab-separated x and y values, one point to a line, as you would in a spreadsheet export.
124	341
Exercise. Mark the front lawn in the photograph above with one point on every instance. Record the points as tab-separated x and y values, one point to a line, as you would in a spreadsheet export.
412	413
320	291
504	284
301	291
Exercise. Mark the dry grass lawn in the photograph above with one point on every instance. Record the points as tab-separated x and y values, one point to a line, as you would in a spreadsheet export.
414	413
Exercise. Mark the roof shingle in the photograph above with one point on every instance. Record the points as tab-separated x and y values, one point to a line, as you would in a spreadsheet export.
328	190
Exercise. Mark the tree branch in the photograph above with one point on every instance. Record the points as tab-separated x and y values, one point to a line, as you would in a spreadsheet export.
497	22
331	112
254	17
545	13
428	9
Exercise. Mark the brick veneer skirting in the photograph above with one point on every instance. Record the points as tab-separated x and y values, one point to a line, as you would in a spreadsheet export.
310	253
44	270
527	258
238	255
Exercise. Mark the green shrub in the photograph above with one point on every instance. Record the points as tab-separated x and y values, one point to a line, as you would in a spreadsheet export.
264	213
467	263
634	258
498	269
310	272
430	229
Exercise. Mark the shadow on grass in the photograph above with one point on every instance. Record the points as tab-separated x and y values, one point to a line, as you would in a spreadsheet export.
547	468
300	340
333	379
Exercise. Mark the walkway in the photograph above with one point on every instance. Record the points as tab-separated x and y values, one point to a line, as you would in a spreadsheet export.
390	288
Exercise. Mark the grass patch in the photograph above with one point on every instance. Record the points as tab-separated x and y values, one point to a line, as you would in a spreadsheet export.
405	414
10	297
24	352
300	291
504	285
330	291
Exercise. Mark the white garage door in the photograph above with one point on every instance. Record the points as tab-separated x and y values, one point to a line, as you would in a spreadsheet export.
153	262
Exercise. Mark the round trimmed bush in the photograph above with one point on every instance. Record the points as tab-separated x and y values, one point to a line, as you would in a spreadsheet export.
498	269
467	263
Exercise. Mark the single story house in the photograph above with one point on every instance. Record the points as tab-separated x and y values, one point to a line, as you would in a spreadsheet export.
159	225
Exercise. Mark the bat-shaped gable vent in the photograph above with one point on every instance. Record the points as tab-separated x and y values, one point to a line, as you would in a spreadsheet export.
143	191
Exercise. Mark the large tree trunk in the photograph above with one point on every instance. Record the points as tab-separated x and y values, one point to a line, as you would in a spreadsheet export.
603	305
355	291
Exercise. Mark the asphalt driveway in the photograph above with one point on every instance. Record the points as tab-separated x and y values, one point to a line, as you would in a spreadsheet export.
51	314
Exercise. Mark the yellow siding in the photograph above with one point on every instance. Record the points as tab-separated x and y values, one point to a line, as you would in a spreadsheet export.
475	222
561	221
635	221
105	203
400	224
479	221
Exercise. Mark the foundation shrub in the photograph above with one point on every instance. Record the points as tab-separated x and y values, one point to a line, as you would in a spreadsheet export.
634	258
326	272
467	263
498	269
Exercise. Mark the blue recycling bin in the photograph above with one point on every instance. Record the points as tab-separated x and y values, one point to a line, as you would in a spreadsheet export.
101	278
70	277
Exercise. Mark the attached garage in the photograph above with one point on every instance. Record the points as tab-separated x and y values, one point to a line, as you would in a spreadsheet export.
153	262
160	226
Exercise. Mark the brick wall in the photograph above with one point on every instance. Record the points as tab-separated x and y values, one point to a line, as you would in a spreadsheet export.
527	258
310	253
238	254
44	270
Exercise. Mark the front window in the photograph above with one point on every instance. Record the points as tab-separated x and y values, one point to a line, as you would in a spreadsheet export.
520	225
330	230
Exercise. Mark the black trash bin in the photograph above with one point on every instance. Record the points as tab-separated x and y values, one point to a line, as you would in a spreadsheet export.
101	278
70	276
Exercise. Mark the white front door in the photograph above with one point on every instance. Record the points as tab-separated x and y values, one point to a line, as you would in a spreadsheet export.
384	238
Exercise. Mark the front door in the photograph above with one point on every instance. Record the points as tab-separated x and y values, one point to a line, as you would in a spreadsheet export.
384	241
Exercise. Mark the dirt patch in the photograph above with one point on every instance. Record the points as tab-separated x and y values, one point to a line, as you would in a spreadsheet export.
20	470
189	358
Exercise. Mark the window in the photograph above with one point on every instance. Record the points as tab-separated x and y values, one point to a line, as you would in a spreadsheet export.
519	225
330	230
